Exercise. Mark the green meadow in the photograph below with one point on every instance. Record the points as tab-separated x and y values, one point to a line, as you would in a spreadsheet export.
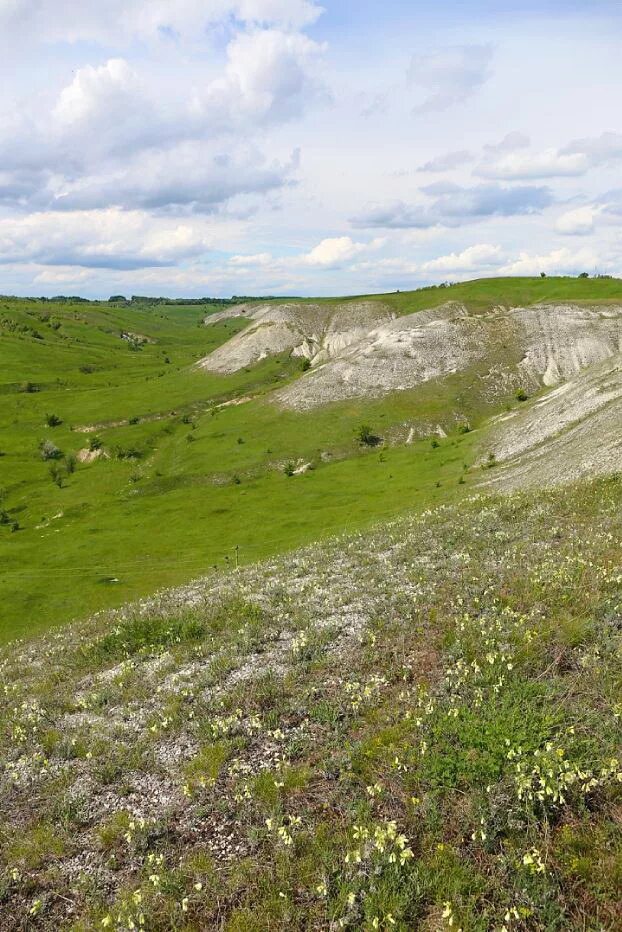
154	478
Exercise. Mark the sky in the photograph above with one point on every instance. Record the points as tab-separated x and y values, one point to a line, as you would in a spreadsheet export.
248	147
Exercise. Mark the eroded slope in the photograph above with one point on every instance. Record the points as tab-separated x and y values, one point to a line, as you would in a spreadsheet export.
360	349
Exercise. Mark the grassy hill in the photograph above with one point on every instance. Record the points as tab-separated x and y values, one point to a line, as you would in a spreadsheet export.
178	475
416	727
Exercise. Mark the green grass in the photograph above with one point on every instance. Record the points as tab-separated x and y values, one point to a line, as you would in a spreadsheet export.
183	482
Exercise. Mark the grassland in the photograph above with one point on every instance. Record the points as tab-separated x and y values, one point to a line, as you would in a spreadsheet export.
412	727
182	477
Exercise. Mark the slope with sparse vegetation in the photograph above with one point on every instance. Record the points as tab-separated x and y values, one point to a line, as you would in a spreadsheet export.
418	726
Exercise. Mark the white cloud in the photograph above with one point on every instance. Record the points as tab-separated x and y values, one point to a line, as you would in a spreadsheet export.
473	259
547	164
110	141
451	75
447	161
122	21
331	253
557	262
579	221
270	76
509	143
258	260
599	150
110	239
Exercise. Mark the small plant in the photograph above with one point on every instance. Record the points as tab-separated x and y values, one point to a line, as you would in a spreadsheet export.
70	463
56	475
53	420
305	364
28	388
464	428
49	451
134	419
95	443
365	435
289	469
236	479
240	440
491	462
521	395
434	443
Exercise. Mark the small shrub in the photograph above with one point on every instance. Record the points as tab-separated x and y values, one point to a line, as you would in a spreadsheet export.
305	364
289	469
365	435
49	451
70	463
521	395
28	388
464	428
53	420
95	443
434	443
56	475
134	420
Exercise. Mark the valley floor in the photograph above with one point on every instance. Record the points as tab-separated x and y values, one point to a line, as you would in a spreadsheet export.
415	726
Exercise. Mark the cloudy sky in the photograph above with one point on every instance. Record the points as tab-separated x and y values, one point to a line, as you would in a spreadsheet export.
217	147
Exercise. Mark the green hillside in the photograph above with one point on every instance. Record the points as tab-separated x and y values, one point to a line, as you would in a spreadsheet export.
177	478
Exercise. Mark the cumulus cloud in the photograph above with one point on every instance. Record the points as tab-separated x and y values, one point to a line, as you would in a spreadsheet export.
270	77
450	76
109	140
509	143
126	20
332	253
452	205
599	150
108	239
547	164
472	259
578	222
561	261
192	177
448	161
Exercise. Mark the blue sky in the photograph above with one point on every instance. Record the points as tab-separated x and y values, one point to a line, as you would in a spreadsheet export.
288	146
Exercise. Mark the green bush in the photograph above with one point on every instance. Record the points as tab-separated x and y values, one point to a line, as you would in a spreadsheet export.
49	451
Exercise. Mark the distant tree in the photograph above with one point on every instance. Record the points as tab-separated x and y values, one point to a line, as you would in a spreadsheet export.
584	275
542	274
